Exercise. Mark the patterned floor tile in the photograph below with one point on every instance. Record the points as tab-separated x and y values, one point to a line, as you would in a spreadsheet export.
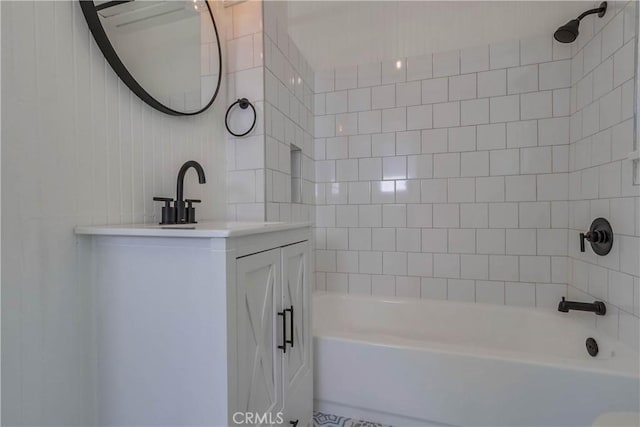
329	420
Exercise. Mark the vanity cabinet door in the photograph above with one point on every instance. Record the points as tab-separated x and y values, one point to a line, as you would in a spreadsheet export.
297	360
259	364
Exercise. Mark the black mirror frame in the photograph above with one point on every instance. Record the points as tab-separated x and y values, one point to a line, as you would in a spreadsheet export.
90	13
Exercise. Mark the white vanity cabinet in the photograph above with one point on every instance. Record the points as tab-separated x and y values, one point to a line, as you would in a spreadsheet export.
207	326
274	354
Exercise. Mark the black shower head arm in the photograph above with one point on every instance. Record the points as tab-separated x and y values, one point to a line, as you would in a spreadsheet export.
600	11
569	31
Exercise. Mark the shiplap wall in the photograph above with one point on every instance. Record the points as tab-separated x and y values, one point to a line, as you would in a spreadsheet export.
0	222
78	148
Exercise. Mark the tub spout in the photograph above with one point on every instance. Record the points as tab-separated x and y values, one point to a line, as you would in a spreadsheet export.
596	307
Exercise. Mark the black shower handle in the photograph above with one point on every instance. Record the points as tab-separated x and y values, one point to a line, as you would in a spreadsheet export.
595	236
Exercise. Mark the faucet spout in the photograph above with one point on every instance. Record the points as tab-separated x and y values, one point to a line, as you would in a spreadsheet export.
179	203
182	172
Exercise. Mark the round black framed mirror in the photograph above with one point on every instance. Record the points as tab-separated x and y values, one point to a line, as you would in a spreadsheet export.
166	51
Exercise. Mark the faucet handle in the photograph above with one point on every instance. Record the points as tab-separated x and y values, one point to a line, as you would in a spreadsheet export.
190	217
600	235
583	237
168	213
167	201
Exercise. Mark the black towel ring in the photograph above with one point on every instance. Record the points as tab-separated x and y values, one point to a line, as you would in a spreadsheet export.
242	103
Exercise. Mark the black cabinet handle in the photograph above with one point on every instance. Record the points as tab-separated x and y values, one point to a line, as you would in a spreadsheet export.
283	347
290	310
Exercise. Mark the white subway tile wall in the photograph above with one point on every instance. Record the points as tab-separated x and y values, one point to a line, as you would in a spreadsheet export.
446	182
275	76
245	169
476	169
600	177
461	175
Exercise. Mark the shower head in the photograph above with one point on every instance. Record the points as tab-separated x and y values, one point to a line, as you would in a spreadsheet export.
569	31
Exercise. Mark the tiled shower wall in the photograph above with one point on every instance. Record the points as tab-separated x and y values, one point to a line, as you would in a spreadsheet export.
266	67
601	176
446	176
289	120
245	73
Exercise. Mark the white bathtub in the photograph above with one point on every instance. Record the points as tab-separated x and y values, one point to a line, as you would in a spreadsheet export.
422	362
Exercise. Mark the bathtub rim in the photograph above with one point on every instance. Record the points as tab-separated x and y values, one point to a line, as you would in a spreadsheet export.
626	362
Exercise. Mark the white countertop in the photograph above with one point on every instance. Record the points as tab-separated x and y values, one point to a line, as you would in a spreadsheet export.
202	229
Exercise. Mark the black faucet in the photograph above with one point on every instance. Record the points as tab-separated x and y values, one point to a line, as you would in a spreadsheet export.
596	307
179	213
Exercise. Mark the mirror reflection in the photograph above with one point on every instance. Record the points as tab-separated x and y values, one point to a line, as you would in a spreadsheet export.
169	47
